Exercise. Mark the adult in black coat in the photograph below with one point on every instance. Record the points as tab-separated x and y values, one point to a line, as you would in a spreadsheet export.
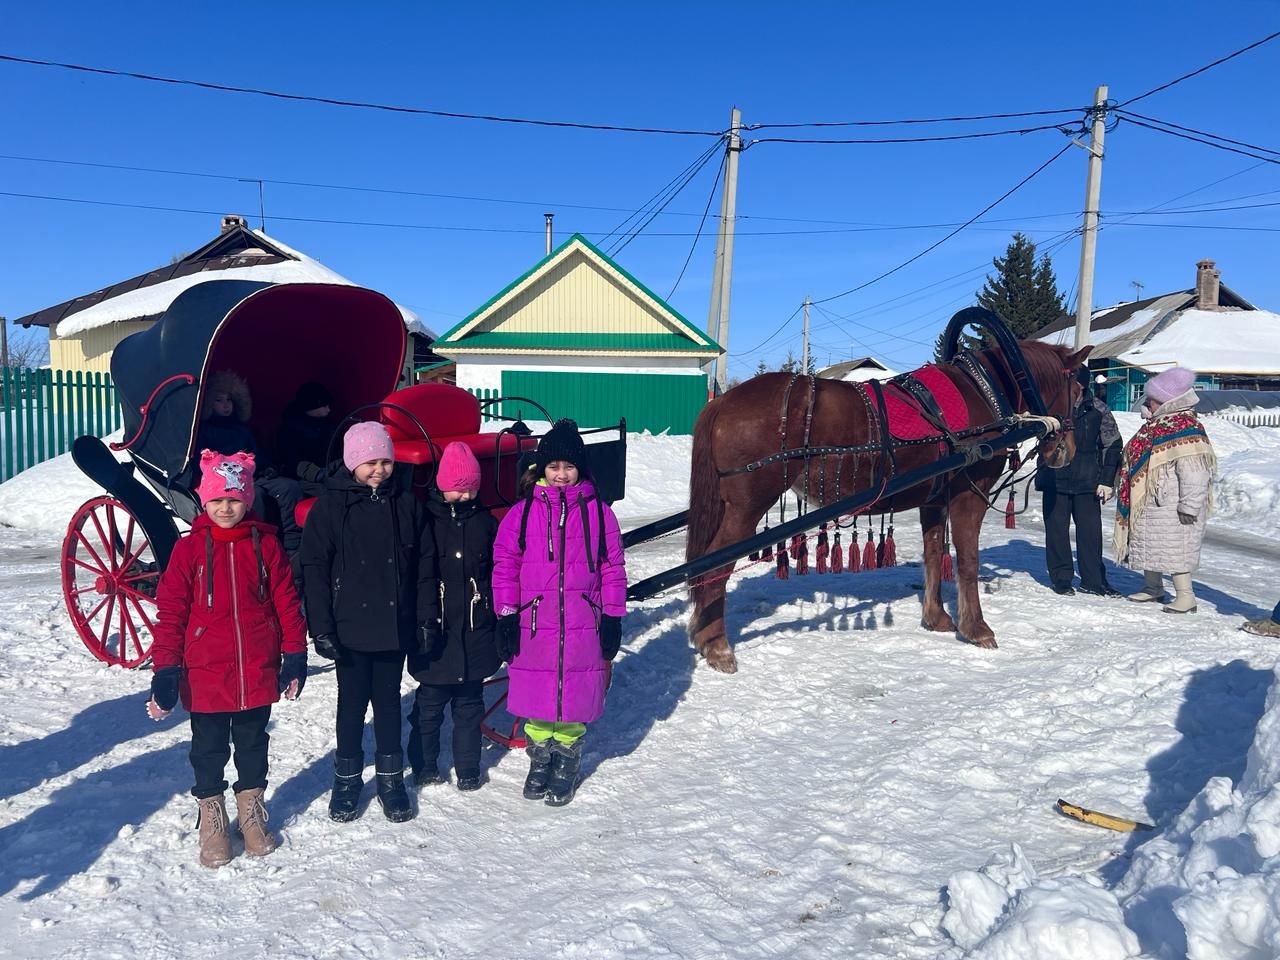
305	434
453	668
1077	492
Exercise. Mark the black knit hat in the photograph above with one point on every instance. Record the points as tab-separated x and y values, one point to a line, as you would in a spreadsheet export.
312	396
561	442
1084	377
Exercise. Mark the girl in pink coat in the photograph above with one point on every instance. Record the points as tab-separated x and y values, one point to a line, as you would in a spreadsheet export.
559	588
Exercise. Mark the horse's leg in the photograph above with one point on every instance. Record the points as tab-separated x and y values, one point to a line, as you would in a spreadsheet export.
967	513
706	626
934	615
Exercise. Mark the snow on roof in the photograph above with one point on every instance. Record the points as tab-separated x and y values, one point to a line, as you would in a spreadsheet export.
863	374
155	299
1213	341
1110	341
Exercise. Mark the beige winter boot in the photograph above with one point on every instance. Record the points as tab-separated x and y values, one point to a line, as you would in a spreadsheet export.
258	840
1152	588
215	836
1185	601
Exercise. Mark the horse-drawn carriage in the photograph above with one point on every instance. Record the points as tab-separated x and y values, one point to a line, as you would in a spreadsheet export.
275	337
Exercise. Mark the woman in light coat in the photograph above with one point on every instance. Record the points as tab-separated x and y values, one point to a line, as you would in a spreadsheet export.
1165	494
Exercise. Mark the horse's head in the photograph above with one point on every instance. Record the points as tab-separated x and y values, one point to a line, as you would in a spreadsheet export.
1054	370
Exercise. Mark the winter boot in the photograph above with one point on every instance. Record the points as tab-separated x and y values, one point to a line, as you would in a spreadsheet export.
258	840
1185	601
348	781
1265	627
215	832
566	759
535	785
389	768
1152	588
469	781
429	777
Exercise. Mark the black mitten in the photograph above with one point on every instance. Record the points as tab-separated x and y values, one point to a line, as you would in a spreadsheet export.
508	636
164	687
610	636
293	666
327	646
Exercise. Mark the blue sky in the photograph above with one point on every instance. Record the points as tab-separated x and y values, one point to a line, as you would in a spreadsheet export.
652	64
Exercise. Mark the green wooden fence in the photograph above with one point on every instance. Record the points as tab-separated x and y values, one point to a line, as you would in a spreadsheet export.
43	411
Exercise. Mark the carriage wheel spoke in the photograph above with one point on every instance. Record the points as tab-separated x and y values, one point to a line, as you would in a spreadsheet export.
133	631
128	542
102	536
92	569
135	595
150	575
115	548
142	612
102	567
94	612
106	624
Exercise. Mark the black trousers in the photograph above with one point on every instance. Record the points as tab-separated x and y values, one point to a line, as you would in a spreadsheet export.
365	678
1060	509
211	737
427	716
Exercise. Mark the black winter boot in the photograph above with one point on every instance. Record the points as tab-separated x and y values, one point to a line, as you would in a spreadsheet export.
566	759
348	781
535	785
389	768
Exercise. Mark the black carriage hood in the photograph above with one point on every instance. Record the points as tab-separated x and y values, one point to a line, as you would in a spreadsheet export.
276	336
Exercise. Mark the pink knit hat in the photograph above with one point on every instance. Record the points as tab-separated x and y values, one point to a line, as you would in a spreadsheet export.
364	442
1173	382
459	469
226	476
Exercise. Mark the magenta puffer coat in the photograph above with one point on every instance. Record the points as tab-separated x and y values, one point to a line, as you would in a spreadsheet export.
569	573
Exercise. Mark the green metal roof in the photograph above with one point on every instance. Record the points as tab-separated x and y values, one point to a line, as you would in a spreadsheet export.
593	342
694	339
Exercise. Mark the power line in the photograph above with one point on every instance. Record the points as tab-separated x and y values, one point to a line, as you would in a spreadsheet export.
1183	211
701	223
635	233
1197	72
1203	133
1197	226
782	326
1207	143
885	123
667	191
1008	193
1062	128
360	104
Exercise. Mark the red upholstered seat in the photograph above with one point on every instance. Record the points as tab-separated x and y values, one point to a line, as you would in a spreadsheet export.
302	509
443	411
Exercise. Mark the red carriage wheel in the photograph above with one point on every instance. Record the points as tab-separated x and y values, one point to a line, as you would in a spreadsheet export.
109	579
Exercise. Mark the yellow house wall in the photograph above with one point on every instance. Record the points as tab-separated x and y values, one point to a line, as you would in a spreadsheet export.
577	296
90	351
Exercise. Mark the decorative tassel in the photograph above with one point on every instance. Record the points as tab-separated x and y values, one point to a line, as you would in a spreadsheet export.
1010	520
869	552
800	553
880	545
780	551
890	558
855	555
948	570
767	553
837	555
823	549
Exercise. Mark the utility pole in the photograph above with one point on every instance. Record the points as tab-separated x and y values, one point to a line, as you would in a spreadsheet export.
804	353
722	277
1089	238
4	343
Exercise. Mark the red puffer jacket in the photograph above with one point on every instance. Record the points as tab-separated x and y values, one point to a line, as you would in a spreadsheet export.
225	619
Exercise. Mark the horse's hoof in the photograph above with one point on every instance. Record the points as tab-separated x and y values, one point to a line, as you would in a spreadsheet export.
941	623
722	660
984	638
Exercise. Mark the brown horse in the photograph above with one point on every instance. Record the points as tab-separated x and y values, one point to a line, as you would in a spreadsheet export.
746	425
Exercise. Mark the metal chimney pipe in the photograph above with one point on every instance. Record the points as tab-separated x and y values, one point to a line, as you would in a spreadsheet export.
550	217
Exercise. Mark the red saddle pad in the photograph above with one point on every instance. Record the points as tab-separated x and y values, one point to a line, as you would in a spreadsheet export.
905	420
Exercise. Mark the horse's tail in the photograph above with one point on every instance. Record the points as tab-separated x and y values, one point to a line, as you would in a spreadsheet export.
706	509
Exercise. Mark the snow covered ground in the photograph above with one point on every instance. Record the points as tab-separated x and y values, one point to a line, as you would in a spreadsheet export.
839	796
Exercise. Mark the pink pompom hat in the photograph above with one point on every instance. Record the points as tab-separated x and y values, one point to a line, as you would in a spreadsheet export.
226	476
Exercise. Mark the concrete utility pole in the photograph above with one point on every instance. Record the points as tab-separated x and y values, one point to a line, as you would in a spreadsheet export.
722	278
550	217
804	353
1089	238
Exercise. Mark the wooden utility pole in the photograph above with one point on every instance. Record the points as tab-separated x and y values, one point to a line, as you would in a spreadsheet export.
722	277
1089	238
804	352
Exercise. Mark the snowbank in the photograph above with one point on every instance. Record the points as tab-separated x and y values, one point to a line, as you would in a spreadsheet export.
45	496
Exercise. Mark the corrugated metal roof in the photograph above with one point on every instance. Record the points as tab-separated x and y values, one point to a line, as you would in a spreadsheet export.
579	342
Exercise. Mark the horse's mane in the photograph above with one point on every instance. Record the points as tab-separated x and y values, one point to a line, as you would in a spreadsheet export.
1046	360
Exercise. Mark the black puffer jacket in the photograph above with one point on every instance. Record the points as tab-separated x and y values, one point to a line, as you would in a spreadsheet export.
1098	452
464	535
369	565
304	439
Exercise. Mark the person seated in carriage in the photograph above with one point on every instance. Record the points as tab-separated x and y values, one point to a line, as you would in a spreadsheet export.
224	427
305	434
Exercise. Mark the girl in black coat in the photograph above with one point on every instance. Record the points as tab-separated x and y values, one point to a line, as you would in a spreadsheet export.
369	570
453	665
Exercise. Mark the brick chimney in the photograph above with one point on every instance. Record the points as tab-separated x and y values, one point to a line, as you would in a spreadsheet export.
1206	286
232	220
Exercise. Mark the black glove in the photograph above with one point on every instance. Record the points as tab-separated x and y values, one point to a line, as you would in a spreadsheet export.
1186	519
508	636
610	636
164	687
327	646
266	473
293	666
429	637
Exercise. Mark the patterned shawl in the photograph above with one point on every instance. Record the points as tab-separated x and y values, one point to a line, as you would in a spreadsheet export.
1159	441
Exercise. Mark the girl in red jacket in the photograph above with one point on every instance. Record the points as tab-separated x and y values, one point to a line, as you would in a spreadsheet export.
229	638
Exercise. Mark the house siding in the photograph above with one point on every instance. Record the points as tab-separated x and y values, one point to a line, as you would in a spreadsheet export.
90	351
653	402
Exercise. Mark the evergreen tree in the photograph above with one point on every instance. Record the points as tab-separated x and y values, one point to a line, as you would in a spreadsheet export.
791	364
937	348
1021	292
761	368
